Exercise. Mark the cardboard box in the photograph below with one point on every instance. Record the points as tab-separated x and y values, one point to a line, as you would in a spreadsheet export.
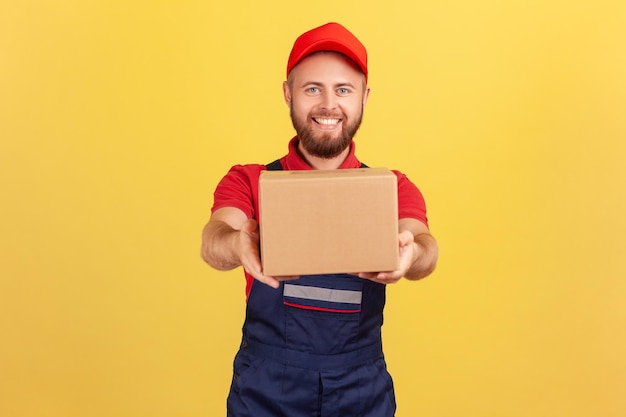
322	222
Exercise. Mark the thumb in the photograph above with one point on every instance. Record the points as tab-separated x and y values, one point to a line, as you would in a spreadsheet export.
250	226
405	238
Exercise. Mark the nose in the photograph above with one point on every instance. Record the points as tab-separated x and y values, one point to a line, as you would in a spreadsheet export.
329	100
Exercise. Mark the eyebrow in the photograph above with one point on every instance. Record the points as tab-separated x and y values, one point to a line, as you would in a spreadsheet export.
319	84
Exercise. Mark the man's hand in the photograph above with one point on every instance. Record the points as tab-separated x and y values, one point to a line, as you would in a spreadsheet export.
418	254
230	239
250	257
408	252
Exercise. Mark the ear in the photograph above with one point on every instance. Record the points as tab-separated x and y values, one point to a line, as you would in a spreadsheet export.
366	95
287	93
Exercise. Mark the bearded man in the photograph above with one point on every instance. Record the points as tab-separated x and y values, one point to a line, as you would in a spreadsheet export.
297	360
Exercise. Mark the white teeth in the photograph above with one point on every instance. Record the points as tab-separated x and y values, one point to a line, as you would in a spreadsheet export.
327	121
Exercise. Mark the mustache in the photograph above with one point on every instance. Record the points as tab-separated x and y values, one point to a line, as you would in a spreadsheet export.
328	115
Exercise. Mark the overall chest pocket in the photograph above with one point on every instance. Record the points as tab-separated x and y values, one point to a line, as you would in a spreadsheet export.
322	312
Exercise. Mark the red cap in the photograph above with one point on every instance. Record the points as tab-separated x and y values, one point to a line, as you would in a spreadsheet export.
328	37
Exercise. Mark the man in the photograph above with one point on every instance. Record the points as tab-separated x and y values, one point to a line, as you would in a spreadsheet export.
297	360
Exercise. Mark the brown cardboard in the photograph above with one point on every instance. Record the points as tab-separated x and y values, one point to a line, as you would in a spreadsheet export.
321	222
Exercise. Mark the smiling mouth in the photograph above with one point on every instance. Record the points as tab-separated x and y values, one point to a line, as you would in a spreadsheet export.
326	121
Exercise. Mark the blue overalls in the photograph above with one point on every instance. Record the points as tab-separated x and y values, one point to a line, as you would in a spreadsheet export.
313	348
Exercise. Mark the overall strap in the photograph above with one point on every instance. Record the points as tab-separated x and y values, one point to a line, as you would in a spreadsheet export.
274	166
277	166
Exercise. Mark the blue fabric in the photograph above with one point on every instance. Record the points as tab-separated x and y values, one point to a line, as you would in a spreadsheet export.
312	358
264	387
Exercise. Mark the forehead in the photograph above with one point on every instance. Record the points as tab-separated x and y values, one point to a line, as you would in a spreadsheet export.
327	65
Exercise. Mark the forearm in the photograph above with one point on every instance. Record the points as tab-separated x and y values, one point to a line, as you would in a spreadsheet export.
425	258
219	245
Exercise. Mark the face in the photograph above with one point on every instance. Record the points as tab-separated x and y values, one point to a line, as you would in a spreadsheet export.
326	94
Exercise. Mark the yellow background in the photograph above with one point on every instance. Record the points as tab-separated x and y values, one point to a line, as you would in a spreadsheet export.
117	119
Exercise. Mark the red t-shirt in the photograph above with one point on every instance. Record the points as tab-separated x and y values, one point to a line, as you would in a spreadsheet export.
240	186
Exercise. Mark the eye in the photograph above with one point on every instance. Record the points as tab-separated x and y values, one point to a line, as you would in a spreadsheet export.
343	91
313	90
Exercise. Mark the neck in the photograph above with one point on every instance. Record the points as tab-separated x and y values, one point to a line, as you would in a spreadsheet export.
323	163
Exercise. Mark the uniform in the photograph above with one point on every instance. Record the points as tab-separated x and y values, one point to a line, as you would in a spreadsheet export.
313	346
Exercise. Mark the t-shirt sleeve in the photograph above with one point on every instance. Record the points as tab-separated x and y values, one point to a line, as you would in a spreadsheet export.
411	203
238	188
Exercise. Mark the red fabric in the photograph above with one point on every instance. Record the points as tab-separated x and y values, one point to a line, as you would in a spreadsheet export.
239	188
330	310
329	37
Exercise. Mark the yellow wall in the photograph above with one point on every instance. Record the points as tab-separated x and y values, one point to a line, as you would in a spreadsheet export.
118	118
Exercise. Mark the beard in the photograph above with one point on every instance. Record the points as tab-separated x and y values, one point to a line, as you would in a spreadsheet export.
326	145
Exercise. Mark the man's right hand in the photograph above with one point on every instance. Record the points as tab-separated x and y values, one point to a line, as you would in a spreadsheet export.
249	255
231	239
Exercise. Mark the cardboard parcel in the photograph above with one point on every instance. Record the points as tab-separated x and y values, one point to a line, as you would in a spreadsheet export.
325	222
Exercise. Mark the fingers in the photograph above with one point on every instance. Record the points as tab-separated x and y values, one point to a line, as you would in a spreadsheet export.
389	277
406	252
271	281
252	265
250	256
405	238
287	277
251	228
